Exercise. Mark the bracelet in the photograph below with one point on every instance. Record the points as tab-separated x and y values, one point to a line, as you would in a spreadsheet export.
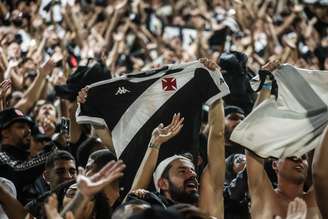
267	86
152	145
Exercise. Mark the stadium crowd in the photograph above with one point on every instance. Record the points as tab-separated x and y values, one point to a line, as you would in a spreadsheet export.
52	167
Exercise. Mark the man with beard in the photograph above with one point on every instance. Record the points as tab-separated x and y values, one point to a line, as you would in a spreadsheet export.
15	134
175	177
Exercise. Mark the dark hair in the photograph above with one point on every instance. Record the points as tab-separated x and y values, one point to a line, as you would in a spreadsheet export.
87	147
101	208
101	158
58	155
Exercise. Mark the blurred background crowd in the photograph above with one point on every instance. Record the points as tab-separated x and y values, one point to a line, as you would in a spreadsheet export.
129	36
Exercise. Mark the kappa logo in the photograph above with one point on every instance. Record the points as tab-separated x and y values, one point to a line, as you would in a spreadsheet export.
122	90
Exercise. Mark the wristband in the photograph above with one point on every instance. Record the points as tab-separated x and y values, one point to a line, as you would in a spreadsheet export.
267	86
152	145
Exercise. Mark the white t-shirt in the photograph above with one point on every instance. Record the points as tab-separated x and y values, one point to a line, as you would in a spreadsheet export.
9	187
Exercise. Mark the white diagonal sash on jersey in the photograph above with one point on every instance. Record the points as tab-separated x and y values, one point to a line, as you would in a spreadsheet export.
135	117
292	124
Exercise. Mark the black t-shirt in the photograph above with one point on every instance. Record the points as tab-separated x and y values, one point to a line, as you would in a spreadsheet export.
132	106
15	166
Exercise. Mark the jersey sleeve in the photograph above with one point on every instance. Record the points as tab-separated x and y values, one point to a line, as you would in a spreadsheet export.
211	85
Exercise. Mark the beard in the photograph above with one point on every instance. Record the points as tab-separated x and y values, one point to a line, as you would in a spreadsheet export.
25	143
25	146
181	196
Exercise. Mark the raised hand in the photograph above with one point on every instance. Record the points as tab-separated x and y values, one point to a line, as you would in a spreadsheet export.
162	134
297	209
209	64
13	63
47	68
51	208
57	57
89	186
83	94
271	65
141	193
121	7
4	87
298	8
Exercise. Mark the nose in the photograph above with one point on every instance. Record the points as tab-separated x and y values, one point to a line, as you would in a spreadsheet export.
68	175
27	130
191	173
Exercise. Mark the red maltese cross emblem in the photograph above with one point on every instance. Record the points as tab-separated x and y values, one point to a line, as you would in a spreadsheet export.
169	84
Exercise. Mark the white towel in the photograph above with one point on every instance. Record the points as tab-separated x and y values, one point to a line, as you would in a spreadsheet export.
292	124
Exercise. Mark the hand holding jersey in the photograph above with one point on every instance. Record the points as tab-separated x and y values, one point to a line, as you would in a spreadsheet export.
133	105
289	110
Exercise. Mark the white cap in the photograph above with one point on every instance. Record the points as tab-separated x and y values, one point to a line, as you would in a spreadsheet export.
162	166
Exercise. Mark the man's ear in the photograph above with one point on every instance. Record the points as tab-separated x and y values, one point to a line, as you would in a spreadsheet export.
275	165
163	184
46	176
4	133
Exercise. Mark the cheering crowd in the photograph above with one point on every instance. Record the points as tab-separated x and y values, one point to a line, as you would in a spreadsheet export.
52	166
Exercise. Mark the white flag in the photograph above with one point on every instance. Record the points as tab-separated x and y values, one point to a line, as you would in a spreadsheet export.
292	124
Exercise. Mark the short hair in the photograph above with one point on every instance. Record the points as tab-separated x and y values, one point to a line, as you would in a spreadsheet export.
101	158
58	155
87	147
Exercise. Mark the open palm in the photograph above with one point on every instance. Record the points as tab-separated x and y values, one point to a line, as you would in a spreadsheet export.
297	209
89	186
162	134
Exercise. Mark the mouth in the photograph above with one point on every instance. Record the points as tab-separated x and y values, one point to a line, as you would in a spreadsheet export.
299	168
191	185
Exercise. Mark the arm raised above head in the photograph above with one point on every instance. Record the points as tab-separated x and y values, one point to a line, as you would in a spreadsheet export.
320	174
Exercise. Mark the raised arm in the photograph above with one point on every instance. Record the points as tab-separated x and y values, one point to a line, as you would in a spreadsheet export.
265	92
34	91
4	87
320	175
212	179
258	181
159	136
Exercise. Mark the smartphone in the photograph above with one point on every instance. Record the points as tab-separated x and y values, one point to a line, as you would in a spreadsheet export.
65	125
